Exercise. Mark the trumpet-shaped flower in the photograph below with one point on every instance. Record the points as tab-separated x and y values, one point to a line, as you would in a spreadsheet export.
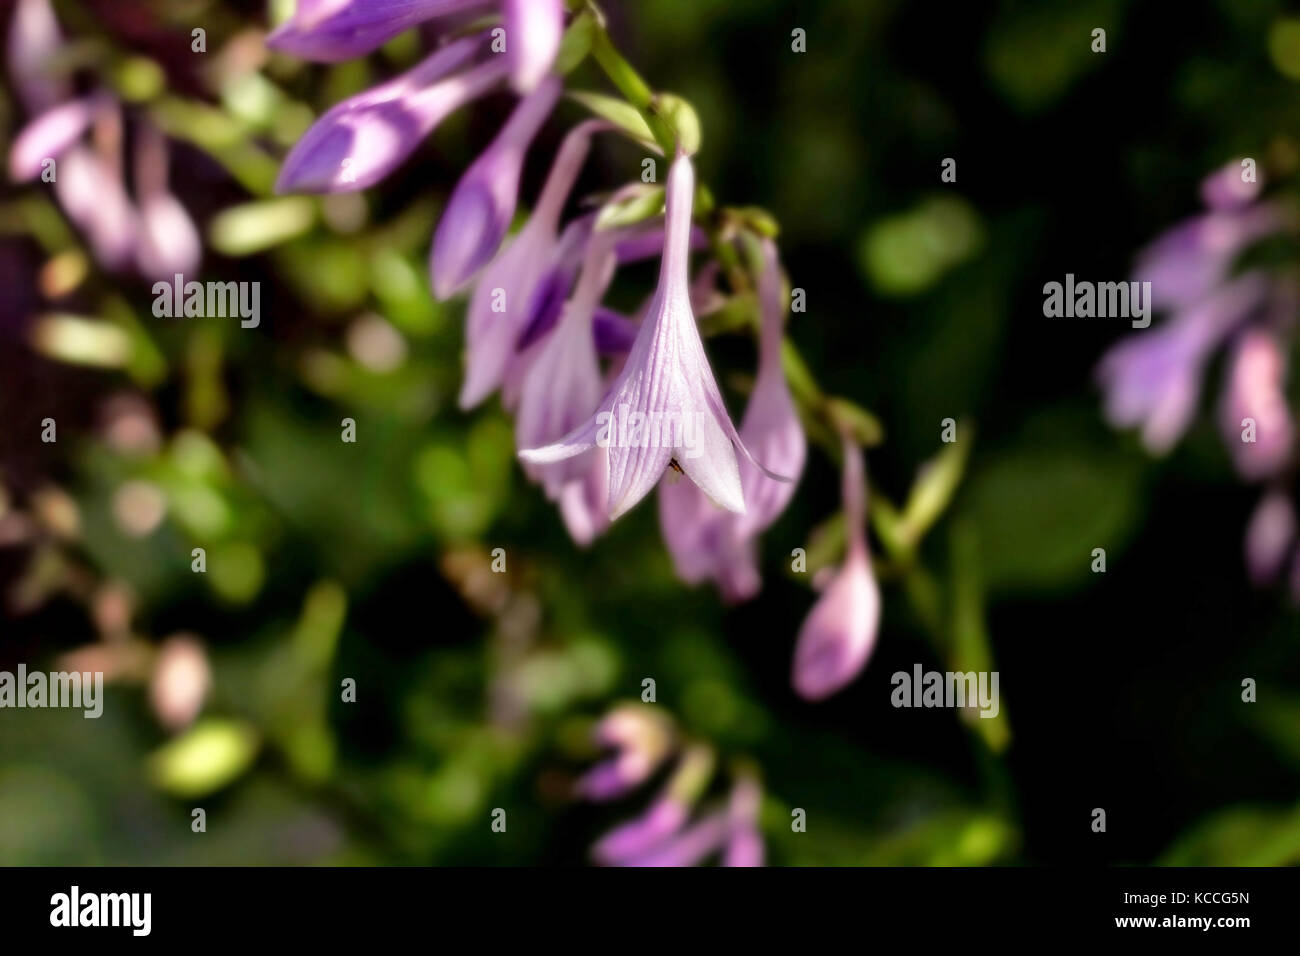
483	202
329	31
839	633
514	288
665	405
705	541
533	32
563	384
364	138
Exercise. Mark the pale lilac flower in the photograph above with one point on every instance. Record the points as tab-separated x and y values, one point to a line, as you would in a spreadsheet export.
583	503
745	843
770	428
1188	262
512	289
1226	190
91	192
705	541
483	202
1153	378
329	31
665	817
689	847
34	39
1256	390
533	32
562	386
666	378
641	741
365	137
50	135
168	241
1269	536
838	635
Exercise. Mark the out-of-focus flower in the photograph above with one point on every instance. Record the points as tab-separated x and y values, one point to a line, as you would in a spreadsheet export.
1269	536
483	202
364	138
641	741
674	830
87	170
1153	379
506	298
1255	418
180	682
838	635
533	32
329	31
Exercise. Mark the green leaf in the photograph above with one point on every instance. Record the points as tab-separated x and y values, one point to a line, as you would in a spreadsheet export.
576	43
644	203
627	118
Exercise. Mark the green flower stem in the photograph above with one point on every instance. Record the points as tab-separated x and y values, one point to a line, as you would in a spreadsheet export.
630	84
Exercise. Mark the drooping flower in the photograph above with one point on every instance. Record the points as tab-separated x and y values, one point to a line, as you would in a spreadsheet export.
840	632
483	202
365	137
707	542
665	405
1255	417
329	31
34	40
51	134
533	32
169	241
641	741
1269	536
563	384
1153	378
506	296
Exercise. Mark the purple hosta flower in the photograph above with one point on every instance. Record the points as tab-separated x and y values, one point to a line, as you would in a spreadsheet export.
329	31
1269	536
745	843
364	138
641	741
1226	189
563	385
838	635
705	541
1187	262
533	32
89	187
34	39
665	836
1153	378
1255	418
584	503
168	241
665	405
516	284
483	202
51	134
